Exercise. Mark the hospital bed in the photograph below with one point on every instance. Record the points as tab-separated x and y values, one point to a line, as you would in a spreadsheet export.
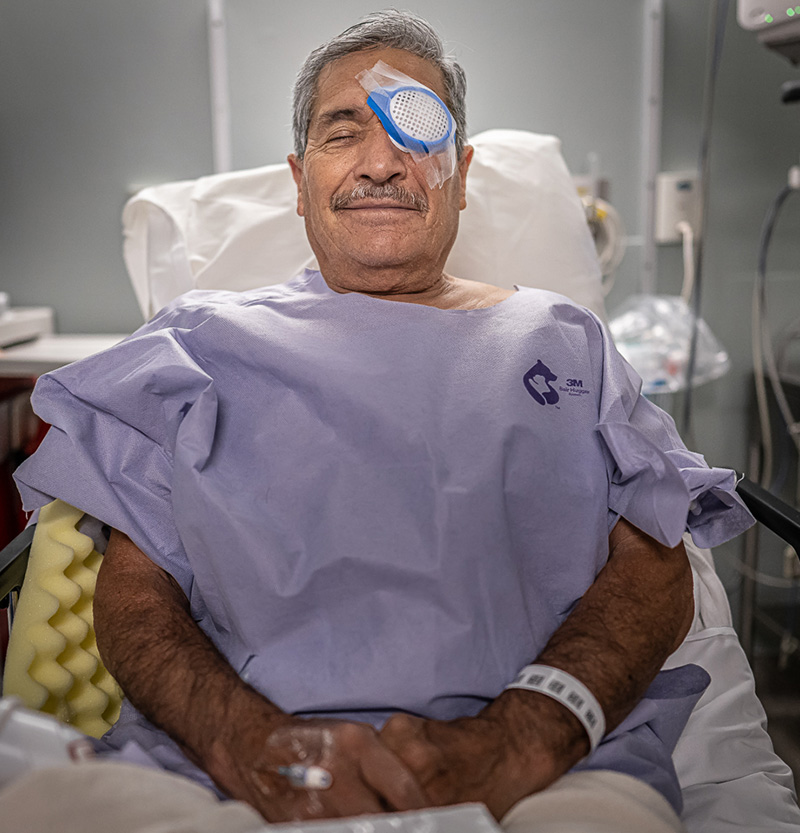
524	223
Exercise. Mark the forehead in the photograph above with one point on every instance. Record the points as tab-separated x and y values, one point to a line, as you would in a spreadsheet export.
337	82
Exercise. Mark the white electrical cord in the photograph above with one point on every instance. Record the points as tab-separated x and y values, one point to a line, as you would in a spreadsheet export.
687	233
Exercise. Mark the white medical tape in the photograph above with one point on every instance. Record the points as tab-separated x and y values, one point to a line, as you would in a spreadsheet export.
569	692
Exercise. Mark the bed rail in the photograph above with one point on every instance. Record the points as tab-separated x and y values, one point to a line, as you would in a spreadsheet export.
13	563
771	511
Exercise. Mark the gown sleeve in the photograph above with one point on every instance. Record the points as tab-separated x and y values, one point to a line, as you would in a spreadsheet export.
114	419
655	482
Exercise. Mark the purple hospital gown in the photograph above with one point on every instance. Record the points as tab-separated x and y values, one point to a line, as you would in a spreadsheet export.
376	506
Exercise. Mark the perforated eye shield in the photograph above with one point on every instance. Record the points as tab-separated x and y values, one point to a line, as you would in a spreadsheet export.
415	119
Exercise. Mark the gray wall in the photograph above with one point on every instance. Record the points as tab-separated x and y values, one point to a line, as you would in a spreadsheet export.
568	67
95	97
755	140
101	96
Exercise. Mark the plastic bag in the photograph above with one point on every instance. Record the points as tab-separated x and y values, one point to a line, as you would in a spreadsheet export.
654	333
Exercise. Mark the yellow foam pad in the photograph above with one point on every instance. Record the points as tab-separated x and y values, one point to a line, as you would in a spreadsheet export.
52	663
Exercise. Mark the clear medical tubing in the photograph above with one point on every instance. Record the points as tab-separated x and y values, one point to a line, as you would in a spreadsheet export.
719	14
763	355
687	234
30	740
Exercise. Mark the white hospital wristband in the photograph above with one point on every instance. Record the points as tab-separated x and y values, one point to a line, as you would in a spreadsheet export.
569	692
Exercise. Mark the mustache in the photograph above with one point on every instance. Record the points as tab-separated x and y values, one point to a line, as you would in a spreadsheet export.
387	191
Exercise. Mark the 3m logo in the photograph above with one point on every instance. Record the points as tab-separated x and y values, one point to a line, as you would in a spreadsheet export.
574	387
538	382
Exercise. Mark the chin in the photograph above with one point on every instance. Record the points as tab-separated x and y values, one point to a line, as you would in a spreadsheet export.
385	260
389	251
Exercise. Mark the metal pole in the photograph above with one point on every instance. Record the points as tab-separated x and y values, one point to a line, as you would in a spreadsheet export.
747	596
653	65
220	96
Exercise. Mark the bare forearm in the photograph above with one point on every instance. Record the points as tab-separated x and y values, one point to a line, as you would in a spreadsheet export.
164	663
615	641
628	622
173	674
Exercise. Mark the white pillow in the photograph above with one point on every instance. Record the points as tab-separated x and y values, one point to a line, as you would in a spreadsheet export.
523	224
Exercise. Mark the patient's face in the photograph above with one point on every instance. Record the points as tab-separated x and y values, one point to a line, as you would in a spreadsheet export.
400	226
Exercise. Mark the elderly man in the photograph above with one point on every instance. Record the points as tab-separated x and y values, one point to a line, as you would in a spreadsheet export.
349	510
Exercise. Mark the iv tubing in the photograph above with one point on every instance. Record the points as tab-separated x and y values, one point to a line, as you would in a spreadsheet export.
763	354
719	13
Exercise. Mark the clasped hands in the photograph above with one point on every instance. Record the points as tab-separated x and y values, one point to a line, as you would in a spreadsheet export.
411	763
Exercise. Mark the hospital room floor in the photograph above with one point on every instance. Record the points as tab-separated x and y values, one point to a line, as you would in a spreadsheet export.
779	691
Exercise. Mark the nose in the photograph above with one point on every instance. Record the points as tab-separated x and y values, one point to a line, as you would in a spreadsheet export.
380	159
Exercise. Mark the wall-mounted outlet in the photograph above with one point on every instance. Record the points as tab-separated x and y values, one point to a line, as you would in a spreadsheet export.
677	199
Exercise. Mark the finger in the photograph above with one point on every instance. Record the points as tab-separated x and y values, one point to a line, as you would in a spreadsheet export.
391	779
353	799
348	796
399	727
406	736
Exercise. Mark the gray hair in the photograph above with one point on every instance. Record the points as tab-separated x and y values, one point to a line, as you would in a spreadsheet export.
389	28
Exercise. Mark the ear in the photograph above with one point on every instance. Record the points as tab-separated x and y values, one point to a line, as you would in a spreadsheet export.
463	167
296	167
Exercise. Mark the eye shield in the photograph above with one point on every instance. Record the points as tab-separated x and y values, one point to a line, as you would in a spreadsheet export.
415	118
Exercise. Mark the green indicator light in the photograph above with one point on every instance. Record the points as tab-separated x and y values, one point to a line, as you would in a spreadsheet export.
769	18
790	12
797	9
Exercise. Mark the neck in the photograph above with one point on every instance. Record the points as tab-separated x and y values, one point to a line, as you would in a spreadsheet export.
431	287
442	291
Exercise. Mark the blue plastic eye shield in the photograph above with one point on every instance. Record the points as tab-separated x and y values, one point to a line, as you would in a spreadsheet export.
425	126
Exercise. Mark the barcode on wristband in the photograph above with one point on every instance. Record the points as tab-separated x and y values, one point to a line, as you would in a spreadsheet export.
532	679
575	699
570	692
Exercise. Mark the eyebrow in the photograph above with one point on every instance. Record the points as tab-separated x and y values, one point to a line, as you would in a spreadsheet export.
329	117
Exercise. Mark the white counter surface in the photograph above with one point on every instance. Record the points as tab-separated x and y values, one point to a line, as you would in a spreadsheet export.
51	351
